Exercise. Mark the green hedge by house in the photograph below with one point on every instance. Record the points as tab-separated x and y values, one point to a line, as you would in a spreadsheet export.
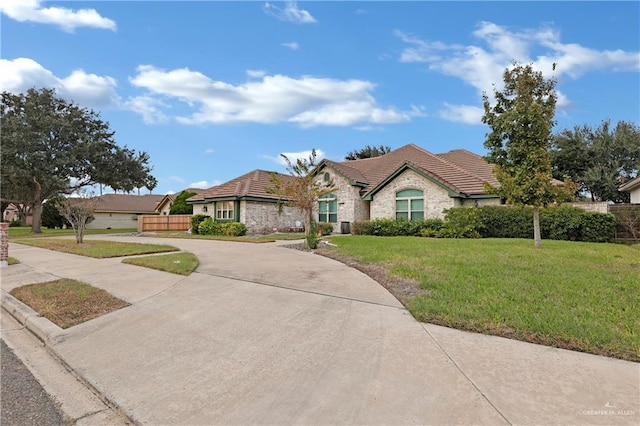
196	220
210	227
556	223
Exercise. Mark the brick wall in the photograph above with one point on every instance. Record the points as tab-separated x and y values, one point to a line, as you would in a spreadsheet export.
4	243
436	199
265	217
351	207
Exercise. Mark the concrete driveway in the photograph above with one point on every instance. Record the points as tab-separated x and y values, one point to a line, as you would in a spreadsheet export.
262	334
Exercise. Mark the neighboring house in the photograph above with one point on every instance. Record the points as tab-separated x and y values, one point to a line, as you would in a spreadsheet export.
115	211
247	199
12	213
164	206
633	187
407	183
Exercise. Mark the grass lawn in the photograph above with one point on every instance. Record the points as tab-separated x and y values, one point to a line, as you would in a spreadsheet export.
25	232
182	263
579	296
67	302
269	238
96	248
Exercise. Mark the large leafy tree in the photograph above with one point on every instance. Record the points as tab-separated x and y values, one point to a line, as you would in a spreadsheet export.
600	160
51	146
521	119
302	191
367	152
180	206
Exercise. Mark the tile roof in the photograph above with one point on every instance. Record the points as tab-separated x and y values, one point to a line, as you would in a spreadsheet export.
459	170
125	203
252	184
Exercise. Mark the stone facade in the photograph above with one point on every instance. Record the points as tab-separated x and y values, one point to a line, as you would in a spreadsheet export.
351	206
261	217
436	198
4	244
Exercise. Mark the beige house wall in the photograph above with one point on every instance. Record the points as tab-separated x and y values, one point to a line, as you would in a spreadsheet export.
351	206
436	198
203	209
165	209
635	195
113	221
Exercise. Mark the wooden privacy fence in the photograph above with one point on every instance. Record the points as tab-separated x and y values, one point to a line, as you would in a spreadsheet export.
172	222
628	219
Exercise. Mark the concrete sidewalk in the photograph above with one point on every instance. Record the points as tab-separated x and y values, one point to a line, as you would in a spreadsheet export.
262	334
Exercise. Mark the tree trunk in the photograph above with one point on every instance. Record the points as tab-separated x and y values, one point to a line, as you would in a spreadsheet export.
537	238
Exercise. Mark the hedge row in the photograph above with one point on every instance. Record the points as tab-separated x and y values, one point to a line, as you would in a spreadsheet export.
556	223
202	224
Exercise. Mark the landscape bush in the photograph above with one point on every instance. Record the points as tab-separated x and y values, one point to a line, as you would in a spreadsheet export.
196	220
556	222
231	229
325	228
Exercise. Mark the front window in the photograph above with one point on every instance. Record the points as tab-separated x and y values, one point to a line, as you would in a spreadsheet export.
328	208
224	210
410	204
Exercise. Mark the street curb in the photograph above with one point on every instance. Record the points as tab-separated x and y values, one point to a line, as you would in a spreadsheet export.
48	333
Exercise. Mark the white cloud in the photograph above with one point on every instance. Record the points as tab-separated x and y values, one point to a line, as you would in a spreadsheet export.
149	108
481	65
466	114
203	184
293	45
256	73
290	13
209	151
67	19
85	89
294	156
307	101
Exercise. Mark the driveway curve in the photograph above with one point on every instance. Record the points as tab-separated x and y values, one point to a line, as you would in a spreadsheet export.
262	334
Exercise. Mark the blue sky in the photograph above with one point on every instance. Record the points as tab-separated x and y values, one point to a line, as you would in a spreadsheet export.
212	90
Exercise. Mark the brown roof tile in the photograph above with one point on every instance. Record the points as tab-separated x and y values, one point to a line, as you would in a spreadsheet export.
252	184
459	170
125	203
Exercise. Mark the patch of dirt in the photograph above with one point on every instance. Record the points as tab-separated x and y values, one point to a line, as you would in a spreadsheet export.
402	288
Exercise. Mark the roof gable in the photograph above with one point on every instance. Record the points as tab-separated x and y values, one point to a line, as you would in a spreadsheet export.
254	184
460	172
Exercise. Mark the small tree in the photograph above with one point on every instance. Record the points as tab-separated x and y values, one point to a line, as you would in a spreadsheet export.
302	191
180	206
368	152
79	212
521	121
51	217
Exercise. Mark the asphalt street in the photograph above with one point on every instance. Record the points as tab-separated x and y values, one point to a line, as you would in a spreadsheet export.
23	400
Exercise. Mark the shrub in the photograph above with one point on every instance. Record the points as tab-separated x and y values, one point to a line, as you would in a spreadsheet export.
325	228
461	222
505	222
361	228
234	229
312	236
598	227
209	227
561	223
196	220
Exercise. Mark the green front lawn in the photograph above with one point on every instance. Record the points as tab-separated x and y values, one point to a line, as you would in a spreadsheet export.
182	263
25	232
96	248
579	296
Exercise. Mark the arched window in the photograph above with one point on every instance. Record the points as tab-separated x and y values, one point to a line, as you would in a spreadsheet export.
410	204
328	208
